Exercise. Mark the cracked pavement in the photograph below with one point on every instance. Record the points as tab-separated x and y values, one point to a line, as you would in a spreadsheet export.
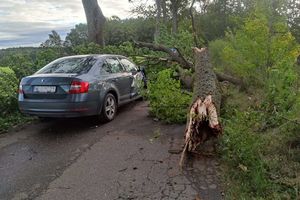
127	158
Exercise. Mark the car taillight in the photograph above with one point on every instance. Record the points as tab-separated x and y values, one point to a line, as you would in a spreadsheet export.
78	87
20	90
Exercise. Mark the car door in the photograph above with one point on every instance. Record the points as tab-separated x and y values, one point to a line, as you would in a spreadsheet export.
133	72
120	78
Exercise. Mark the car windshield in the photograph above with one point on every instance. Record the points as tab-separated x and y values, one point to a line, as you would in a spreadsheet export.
69	66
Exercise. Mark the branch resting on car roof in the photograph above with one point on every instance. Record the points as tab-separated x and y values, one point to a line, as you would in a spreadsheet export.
184	63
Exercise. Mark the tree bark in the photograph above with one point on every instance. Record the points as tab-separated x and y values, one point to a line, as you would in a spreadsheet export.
203	120
95	21
174	10
230	79
193	24
164	10
158	19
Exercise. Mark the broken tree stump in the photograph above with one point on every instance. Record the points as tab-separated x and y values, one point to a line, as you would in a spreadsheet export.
203	119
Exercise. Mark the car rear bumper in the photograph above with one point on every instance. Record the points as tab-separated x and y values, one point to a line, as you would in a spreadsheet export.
58	109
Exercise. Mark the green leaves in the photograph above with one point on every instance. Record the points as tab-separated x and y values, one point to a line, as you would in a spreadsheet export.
167	100
8	91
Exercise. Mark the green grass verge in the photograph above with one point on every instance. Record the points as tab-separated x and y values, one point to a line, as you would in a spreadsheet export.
12	119
258	161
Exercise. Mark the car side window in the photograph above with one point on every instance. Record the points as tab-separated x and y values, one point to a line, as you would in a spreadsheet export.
114	65
130	67
105	69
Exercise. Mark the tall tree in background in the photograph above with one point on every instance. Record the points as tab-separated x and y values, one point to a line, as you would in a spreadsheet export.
77	36
95	21
293	10
158	19
177	8
164	10
174	10
54	40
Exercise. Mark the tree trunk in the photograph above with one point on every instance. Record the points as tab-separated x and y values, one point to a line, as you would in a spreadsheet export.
193	24
95	21
174	10
164	10
203	120
158	19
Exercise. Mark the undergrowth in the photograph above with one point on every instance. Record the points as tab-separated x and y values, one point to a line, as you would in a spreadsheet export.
259	161
11	120
168	102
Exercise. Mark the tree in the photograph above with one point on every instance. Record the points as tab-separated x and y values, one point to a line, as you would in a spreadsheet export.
158	18
95	21
293	13
119	30
178	9
77	36
174	10
164	10
54	40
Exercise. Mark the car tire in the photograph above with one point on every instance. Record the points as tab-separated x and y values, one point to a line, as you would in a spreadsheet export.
109	108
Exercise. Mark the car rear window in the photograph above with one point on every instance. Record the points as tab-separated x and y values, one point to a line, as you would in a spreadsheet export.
69	66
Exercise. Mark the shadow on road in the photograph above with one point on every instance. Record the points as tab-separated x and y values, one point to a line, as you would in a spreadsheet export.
69	127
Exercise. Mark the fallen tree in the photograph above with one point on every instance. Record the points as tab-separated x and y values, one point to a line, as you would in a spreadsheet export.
203	119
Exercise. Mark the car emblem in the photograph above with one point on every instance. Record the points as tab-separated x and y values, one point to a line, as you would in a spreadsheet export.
42	80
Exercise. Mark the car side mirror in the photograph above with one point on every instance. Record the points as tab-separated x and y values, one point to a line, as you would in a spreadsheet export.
141	68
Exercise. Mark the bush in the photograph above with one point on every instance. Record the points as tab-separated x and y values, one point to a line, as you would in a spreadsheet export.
255	147
168	101
8	90
242	152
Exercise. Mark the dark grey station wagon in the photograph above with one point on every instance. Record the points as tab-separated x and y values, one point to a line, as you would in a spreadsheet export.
84	85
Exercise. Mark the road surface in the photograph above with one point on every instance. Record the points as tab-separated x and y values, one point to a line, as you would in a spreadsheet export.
127	158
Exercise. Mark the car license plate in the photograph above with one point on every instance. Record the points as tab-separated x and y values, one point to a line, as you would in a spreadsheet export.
44	89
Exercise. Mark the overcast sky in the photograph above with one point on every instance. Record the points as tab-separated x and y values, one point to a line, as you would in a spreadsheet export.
28	22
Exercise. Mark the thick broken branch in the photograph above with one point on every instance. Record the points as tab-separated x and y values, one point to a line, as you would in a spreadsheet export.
185	79
185	64
174	56
230	79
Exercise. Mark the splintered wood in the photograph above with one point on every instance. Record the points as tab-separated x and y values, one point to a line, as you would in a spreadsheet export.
203	121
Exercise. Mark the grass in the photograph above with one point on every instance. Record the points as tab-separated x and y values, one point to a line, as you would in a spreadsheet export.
11	120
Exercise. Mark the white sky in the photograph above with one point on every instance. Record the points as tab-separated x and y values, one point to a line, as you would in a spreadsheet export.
28	22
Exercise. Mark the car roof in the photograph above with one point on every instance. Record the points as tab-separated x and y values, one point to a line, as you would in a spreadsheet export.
95	55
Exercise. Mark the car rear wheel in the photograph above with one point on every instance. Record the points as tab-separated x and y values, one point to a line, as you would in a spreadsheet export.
109	109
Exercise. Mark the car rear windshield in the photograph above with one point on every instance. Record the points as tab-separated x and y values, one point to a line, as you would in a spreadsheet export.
69	66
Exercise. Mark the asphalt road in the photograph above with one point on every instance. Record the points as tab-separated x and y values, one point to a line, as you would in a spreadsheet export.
127	158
